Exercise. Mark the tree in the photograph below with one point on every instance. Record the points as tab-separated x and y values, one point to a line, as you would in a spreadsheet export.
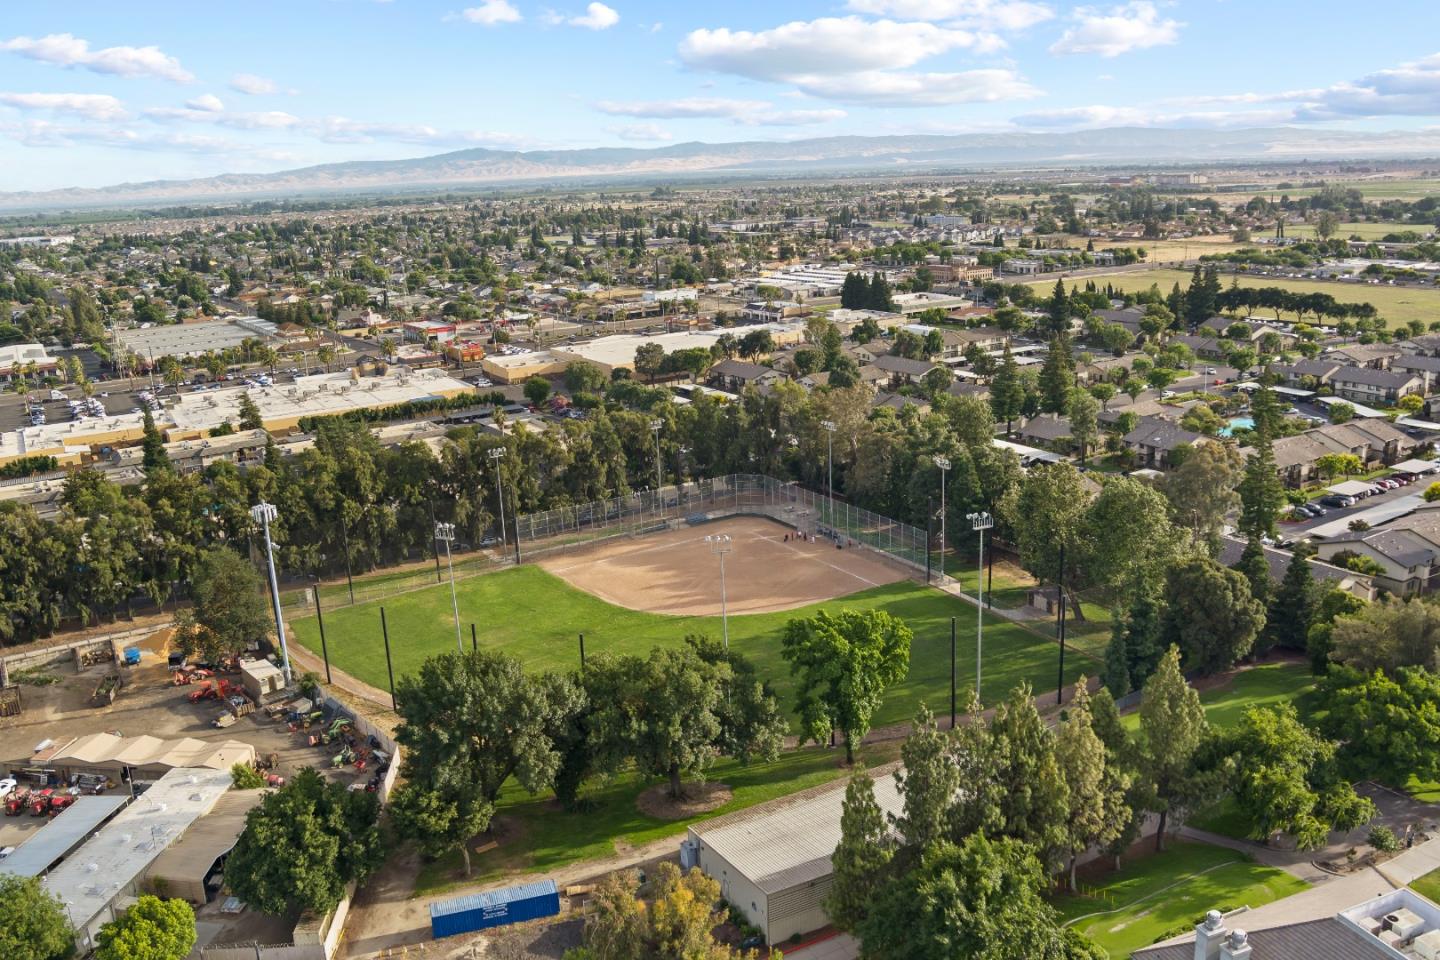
1332	465
1057	375
582	377
152	929
303	844
1212	616
1293	609
537	390
676	925
230	615
1083	411
1326	223
981	900
155	457
1201	491
649	360
1284	778
756	344
1057	311
843	663
861	861
1007	390
1096	794
1135	644
666	713
1261	493
928	780
1341	412
1256	570
250	418
1046	514
1127	541
1432	492
1389	635
1172	727
1031	792
469	722
33	922
1389	724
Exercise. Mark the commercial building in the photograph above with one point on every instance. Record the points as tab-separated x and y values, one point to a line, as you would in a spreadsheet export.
192	339
774	865
46	848
103	878
135	758
191	867
23	359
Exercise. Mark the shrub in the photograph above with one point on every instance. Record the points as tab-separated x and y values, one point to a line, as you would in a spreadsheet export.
1382	838
245	777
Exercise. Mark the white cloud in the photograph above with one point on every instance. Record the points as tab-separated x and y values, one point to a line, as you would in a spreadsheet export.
791	118
897	89
643	132
96	106
67	50
827	46
207	102
1002	15
684	107
252	84
597	16
1411	89
492	13
1099	116
1132	26
244	120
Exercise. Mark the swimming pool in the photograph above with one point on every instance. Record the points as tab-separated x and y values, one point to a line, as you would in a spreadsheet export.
1247	423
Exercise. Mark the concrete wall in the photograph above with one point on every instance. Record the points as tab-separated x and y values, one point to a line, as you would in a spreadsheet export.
69	654
287	951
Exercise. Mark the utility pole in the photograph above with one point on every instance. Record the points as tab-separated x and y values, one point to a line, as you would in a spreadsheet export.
264	513
446	532
980	522
497	454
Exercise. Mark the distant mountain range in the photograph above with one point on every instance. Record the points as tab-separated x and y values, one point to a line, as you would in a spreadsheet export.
895	155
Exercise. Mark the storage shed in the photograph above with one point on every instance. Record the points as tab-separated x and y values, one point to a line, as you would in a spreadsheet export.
496	908
775	865
261	679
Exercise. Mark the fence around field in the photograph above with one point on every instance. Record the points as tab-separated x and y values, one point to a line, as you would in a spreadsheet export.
298	600
573	528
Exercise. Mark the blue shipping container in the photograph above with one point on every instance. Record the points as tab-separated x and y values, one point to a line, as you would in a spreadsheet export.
494	909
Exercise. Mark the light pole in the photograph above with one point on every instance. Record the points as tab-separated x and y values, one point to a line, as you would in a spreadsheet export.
944	464
446	532
656	426
720	545
980	522
263	513
496	455
829	426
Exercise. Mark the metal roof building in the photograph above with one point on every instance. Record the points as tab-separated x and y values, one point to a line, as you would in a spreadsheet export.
775	864
101	879
58	838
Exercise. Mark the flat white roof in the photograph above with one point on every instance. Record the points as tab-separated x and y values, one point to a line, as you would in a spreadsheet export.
58	837
109	862
193	339
779	849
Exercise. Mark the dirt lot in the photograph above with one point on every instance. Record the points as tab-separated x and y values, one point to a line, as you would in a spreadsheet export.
148	704
676	572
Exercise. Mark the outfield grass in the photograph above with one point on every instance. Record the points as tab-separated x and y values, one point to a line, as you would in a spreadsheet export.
1163	894
1428	885
1365	231
1263	686
1396	305
537	617
543	837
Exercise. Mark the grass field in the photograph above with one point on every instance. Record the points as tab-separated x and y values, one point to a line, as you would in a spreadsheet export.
1365	231
1428	886
538	617
542	836
1397	305
1262	686
1165	892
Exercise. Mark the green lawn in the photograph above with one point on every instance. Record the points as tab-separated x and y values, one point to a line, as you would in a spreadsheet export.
1365	231
1397	305
536	616
1428	885
545	837
1262	686
1165	893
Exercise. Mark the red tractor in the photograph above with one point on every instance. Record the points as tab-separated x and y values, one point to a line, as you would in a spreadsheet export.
40	802
60	802
220	689
17	802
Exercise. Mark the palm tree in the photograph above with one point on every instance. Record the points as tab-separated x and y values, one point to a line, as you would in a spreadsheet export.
389	348
327	356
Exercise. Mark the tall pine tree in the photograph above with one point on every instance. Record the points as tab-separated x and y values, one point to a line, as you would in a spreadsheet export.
1007	392
1261	493
1057	375
1293	609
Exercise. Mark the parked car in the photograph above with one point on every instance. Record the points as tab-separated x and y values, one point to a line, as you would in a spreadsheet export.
1316	510
7	787
1338	500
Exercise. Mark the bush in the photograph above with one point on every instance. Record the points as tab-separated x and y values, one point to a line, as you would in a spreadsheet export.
245	777
1382	838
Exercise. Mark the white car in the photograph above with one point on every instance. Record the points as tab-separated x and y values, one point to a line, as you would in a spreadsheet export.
7	787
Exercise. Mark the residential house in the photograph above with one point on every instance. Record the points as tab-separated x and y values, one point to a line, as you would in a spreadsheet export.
1373	441
733	376
969	388
1356	584
989	339
1049	430
1375	386
1425	345
1407	550
902	370
1127	317
1307	374
1206	348
1376	356
899	402
1427	368
1154	441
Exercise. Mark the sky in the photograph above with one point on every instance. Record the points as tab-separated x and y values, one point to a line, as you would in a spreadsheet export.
97	93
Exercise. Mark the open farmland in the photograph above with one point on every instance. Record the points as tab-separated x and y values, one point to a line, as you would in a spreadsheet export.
1397	305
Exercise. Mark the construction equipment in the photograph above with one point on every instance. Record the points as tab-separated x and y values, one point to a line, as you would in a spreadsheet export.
59	802
40	802
343	757
220	689
17	802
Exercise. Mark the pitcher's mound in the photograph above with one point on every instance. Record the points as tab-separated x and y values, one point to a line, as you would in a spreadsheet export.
699	798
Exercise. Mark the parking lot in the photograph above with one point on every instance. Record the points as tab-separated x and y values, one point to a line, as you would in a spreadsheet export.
1298	530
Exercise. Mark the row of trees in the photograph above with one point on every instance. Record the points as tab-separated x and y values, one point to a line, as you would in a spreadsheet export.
34	925
990	811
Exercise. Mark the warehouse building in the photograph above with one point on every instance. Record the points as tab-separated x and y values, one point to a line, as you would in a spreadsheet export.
775	865
192	868
44	850
181	340
134	758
